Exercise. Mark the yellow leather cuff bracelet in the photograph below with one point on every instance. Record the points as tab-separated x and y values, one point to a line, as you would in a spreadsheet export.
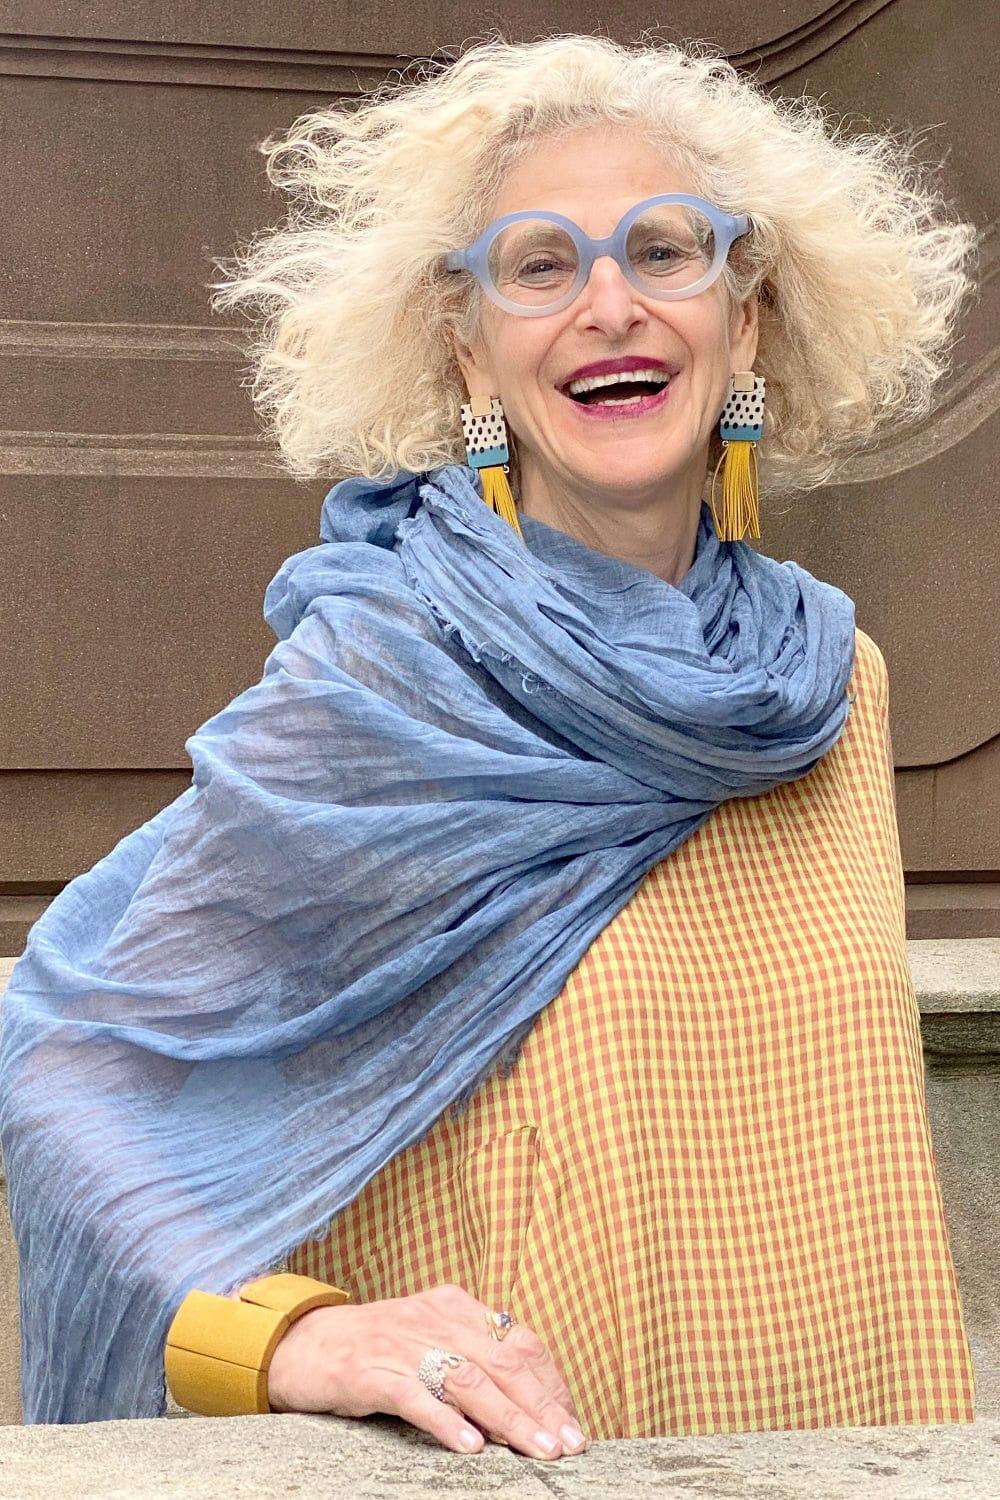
219	1350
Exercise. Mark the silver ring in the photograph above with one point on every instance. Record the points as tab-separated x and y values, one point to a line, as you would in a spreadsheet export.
431	1366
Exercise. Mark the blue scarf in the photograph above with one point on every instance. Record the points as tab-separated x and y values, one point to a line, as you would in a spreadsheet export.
463	756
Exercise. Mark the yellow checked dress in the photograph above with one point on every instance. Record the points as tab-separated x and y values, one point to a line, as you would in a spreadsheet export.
708	1184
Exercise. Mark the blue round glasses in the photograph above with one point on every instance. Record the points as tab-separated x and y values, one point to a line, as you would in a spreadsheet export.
532	262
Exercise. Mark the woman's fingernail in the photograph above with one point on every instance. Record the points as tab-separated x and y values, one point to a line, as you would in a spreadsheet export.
571	1436
469	1438
546	1441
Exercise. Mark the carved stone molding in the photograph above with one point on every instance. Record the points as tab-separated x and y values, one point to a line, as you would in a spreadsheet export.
964	400
157	454
967	401
800	45
119	340
195	65
171	454
754	42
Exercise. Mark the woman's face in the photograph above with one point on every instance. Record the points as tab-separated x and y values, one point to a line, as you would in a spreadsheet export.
593	176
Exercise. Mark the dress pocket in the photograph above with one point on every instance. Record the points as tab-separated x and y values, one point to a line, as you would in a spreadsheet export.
411	1230
498	1183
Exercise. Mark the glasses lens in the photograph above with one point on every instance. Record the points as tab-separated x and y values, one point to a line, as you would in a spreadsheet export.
671	246
533	262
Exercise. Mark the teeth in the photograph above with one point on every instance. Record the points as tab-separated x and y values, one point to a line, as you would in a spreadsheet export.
594	382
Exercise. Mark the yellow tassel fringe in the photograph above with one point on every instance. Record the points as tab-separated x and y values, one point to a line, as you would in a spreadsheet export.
497	493
740	513
739	492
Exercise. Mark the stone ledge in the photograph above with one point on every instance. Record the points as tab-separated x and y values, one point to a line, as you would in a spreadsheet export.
380	1457
956	975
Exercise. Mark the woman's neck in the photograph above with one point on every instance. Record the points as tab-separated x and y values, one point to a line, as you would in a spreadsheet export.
655	532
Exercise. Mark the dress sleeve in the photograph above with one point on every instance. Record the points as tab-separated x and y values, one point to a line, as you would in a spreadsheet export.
882	698
879	674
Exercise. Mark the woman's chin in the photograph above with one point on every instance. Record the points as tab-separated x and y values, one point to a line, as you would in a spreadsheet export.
628	469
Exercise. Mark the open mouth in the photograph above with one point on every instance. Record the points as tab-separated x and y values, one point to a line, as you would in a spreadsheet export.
618	396
618	392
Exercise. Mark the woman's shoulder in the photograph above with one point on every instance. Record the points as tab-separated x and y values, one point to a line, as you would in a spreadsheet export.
870	677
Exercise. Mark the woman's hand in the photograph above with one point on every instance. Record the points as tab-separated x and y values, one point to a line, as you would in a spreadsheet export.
363	1357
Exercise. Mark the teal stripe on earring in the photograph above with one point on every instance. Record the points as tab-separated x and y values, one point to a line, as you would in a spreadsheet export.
490	458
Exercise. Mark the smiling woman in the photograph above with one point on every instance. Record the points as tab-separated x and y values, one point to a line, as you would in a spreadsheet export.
858	269
626	471
527	956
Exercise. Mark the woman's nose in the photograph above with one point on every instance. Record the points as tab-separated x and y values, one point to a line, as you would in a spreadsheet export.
608	297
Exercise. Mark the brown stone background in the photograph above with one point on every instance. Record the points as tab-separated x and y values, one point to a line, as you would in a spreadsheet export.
142	515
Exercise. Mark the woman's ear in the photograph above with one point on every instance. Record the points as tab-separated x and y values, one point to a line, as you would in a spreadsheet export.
743	333
463	355
474	365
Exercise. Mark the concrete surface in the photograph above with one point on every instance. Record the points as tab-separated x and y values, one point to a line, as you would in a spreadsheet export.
955	974
379	1457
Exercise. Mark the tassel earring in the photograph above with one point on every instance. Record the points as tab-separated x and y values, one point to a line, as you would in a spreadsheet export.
485	433
740	428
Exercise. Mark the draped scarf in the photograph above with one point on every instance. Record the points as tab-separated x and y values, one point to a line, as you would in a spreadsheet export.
463	755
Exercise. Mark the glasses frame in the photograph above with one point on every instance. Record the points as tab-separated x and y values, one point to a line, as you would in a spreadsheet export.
475	257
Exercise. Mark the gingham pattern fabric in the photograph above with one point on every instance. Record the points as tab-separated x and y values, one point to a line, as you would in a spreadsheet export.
709	1183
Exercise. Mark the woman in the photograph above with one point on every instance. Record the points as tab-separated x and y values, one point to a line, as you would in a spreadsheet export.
526	962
